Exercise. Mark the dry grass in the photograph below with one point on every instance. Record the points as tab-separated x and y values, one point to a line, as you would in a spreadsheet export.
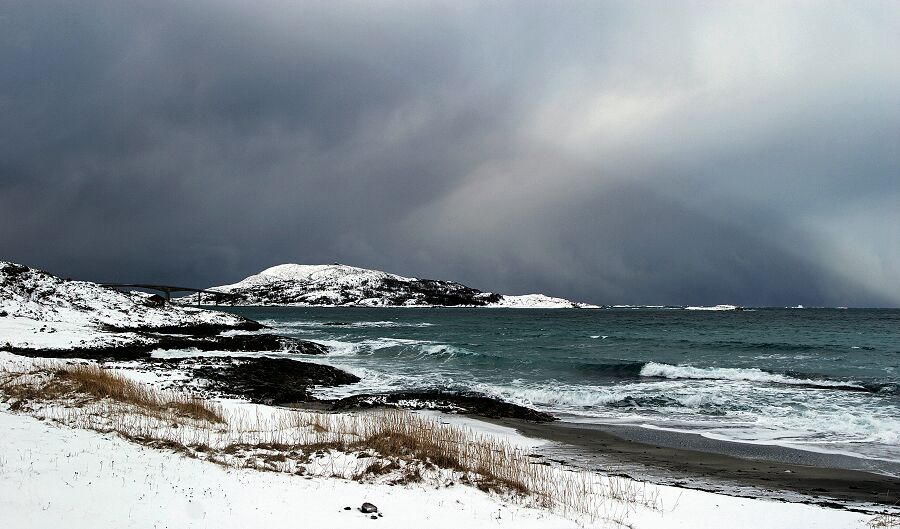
885	521
82	383
390	446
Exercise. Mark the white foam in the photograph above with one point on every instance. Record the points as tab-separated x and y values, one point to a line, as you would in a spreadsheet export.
653	369
365	324
449	351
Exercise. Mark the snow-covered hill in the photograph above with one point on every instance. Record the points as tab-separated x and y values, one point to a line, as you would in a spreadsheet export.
41	311
342	285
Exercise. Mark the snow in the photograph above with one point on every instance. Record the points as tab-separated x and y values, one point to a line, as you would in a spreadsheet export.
39	310
337	284
336	274
50	473
32	333
539	301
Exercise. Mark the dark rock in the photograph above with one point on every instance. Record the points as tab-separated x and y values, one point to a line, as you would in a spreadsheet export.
368	508
13	270
346	508
246	343
453	402
3	314
272	380
201	329
237	343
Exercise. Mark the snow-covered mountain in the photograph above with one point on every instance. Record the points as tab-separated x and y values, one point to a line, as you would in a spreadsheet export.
342	285
41	311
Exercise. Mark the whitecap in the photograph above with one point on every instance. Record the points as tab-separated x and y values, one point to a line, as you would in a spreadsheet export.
653	369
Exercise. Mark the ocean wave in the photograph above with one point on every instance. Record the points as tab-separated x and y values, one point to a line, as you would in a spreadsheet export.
768	346
374	324
653	369
408	347
445	350
621	369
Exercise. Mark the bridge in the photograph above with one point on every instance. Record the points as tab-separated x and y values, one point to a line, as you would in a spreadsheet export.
168	289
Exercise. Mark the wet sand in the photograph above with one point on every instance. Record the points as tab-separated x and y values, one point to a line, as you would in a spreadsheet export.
694	461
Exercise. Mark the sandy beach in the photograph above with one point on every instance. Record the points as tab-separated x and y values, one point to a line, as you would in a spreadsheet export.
693	461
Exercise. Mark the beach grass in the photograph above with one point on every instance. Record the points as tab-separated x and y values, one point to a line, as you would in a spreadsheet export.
886	520
385	446
81	383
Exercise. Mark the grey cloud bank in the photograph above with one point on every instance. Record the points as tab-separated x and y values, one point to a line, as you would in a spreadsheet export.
608	152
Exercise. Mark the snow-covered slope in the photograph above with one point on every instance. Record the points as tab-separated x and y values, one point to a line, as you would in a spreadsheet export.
336	285
50	473
39	310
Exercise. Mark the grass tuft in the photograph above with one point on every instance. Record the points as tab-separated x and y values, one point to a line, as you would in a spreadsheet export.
886	520
387	446
86	382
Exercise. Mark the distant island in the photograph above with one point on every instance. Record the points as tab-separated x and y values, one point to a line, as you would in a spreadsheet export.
343	285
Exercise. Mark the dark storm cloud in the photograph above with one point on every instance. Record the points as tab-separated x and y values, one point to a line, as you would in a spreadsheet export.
613	152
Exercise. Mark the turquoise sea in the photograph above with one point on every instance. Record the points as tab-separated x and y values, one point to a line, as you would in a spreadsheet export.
818	379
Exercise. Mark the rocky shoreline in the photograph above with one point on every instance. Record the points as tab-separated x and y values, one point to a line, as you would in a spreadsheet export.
142	351
273	381
44	316
468	403
290	382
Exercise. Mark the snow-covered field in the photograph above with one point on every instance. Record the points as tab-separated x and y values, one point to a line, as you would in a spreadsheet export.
53	476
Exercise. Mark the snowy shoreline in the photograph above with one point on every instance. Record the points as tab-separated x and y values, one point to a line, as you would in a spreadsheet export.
52	471
64	459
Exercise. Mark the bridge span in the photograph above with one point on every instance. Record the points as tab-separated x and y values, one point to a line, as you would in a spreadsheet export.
168	289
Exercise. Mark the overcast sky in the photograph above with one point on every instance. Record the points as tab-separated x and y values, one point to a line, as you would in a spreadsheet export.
613	152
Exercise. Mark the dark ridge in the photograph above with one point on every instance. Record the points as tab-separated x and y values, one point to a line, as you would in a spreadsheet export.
657	401
446	401
201	329
237	343
246	343
270	380
100	354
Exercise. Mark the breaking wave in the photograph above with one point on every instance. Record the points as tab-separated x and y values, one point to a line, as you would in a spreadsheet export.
374	324
653	369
